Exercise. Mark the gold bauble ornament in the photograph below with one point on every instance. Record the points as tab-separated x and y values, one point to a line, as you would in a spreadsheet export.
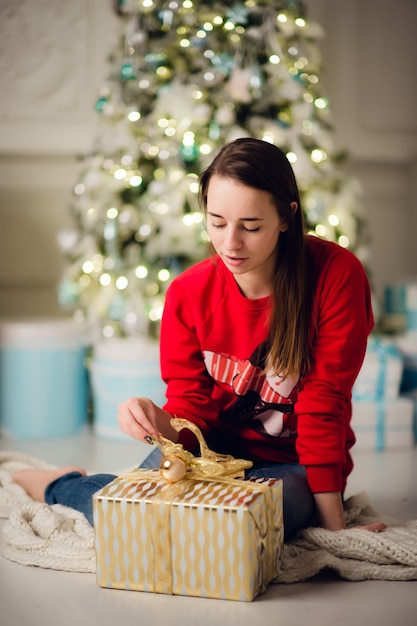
173	468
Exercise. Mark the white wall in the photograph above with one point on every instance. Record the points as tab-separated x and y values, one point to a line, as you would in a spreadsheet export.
369	51
53	59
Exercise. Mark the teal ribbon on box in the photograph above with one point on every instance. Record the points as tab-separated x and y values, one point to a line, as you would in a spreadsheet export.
384	353
380	426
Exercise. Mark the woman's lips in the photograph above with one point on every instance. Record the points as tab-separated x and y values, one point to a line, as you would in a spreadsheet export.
235	261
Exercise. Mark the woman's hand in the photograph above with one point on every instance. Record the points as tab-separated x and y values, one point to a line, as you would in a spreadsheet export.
330	512
141	418
375	527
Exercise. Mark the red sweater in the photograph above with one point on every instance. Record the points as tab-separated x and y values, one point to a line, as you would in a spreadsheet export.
212	351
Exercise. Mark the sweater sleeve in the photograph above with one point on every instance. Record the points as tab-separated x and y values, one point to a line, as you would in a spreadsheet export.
189	387
344	321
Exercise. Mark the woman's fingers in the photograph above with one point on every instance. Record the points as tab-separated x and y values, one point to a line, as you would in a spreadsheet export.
375	527
136	418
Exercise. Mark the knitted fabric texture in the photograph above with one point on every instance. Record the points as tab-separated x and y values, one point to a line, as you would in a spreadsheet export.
60	538
12	495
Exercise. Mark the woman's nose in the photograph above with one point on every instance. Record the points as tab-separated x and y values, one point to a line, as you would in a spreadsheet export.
233	239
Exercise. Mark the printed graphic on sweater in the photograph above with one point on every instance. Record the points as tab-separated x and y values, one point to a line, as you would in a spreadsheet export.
266	400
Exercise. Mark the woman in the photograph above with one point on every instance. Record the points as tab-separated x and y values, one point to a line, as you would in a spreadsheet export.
260	346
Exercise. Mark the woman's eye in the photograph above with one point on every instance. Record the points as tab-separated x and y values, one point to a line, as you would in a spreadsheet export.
244	228
250	230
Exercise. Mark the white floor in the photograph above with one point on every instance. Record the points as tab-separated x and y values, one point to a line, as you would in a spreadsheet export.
31	596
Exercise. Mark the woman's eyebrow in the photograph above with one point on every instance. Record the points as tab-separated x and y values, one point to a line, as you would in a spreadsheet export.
242	219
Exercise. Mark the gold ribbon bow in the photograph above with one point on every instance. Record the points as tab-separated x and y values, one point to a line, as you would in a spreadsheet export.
178	463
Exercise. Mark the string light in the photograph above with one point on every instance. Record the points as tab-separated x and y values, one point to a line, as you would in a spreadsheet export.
88	267
122	282
135	180
134	116
155	314
112	213
120	173
317	155
141	271
105	279
164	275
320	103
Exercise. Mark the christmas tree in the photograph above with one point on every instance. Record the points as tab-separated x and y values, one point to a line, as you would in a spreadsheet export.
188	76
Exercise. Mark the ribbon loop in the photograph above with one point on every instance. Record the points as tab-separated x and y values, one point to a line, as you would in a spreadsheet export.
209	463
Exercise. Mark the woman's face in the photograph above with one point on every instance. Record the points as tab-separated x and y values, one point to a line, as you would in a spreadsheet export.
244	228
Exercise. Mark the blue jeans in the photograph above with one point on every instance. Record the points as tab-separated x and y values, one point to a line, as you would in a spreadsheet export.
76	491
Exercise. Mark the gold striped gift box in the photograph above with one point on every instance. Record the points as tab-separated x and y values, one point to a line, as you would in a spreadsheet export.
215	538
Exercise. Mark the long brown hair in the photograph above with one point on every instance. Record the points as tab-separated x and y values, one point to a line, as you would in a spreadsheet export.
262	165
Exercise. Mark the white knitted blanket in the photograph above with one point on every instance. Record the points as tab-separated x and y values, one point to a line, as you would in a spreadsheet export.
56	537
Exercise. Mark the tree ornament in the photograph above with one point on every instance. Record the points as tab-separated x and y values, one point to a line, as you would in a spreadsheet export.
101	103
189	154
238	14
173	469
127	71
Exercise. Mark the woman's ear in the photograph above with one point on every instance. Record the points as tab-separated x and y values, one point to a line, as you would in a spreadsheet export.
294	207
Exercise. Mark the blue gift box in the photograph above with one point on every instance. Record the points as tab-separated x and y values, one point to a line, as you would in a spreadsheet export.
407	346
122	369
381	373
383	424
402	298
43	378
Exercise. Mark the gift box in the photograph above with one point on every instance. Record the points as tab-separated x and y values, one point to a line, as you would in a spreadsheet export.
43	377
383	424
207	538
407	346
402	298
194	527
412	395
381	373
123	368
